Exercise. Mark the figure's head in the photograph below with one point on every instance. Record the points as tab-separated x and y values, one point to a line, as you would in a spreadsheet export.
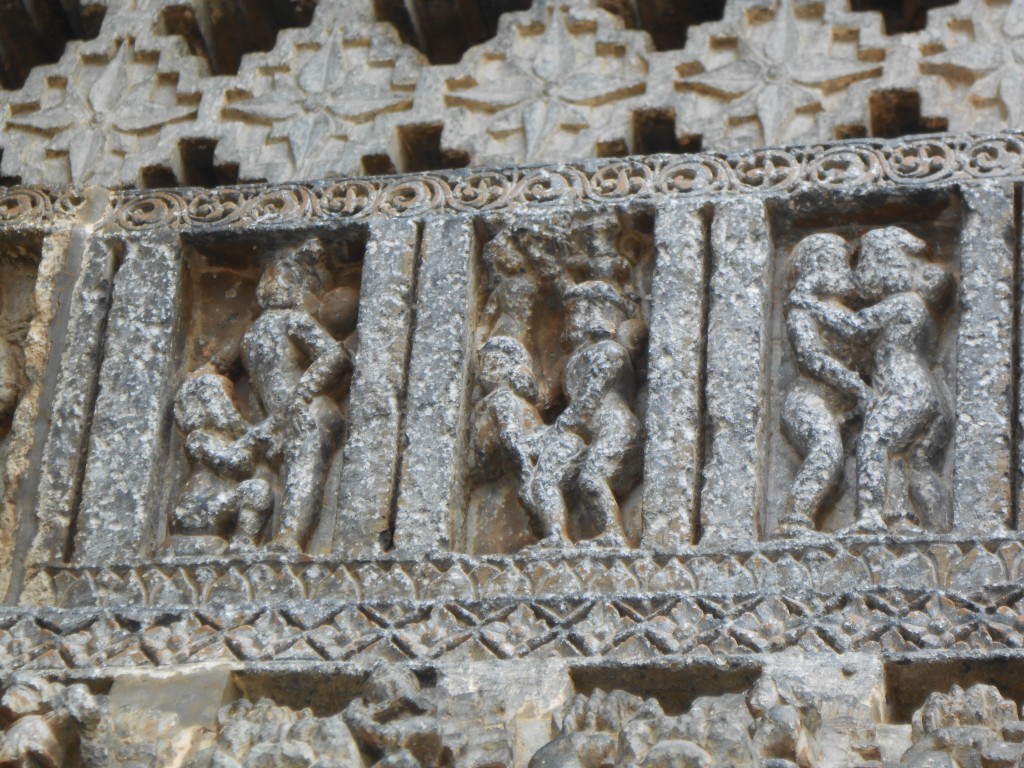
26	694
206	400
821	264
594	310
504	362
884	265
293	278
505	252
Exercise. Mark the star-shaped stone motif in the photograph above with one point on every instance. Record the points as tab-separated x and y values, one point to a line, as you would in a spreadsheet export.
981	63
783	69
552	92
316	118
105	120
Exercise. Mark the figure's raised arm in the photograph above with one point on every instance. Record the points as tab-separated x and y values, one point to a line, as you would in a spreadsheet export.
815	359
841	321
329	359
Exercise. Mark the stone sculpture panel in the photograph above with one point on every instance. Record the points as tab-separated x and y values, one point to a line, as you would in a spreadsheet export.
865	378
559	380
261	412
700	460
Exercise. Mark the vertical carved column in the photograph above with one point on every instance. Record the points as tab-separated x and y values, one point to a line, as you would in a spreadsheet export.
676	355
737	360
431	478
63	461
358	522
128	443
981	475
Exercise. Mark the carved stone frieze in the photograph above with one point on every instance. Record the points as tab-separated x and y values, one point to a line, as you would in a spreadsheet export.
844	167
676	459
354	86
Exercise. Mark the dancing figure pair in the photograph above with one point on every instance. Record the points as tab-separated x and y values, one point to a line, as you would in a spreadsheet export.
864	341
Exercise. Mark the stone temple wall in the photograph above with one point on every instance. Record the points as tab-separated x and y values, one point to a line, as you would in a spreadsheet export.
697	457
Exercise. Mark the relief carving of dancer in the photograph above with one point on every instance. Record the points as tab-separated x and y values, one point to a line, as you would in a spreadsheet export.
294	366
907	410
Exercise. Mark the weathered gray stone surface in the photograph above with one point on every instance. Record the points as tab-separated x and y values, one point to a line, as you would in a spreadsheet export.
675	460
431	484
737	357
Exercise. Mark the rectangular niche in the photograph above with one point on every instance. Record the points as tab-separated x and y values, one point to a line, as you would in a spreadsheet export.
865	318
886	374
557	379
262	395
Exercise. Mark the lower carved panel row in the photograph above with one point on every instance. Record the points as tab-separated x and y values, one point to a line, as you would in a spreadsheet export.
806	711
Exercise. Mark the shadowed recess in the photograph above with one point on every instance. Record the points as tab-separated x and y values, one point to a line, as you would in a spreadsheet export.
898	113
445	29
901	15
222	31
35	32
666	21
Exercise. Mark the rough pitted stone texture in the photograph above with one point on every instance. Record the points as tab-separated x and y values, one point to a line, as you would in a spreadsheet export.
685	459
703	460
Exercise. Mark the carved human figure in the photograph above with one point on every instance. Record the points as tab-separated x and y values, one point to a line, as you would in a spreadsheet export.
599	386
911	409
394	721
226	488
907	410
827	391
294	366
510	305
508	433
966	728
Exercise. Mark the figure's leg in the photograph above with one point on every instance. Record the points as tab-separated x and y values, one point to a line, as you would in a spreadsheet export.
812	427
612	461
872	474
308	449
891	424
254	500
542	492
927	489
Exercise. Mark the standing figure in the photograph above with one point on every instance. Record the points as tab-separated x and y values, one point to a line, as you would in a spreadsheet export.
827	391
508	432
294	366
600	386
911	410
222	490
